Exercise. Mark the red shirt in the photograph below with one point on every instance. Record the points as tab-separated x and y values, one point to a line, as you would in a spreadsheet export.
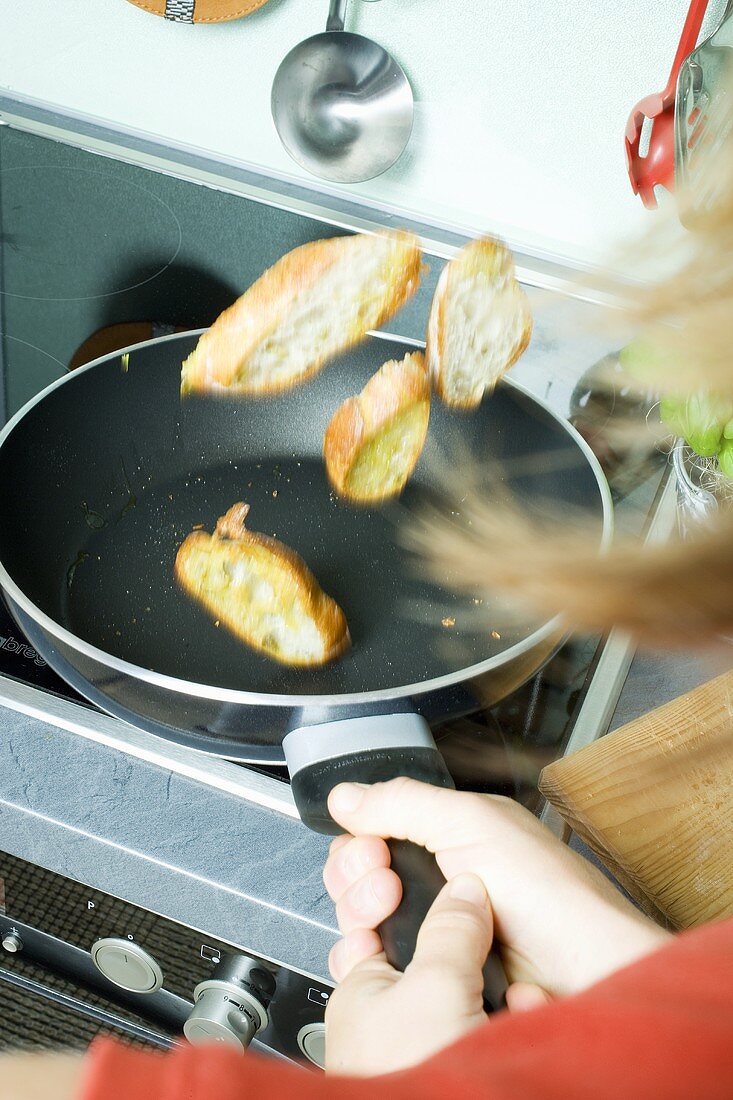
661	1029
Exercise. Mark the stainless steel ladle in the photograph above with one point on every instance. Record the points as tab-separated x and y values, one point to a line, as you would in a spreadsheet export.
341	104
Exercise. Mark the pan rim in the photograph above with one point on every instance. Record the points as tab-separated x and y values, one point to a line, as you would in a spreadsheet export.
252	698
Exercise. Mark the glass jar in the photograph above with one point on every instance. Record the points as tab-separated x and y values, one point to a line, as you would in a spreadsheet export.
695	504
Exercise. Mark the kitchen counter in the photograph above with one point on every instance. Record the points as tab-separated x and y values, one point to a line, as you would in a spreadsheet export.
519	108
198	855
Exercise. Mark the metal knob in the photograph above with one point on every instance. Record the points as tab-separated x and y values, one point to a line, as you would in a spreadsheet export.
12	942
232	1007
312	1041
127	965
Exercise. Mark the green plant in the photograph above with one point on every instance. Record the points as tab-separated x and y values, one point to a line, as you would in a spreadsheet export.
703	419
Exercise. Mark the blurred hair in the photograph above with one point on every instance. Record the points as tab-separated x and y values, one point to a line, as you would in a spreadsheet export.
679	593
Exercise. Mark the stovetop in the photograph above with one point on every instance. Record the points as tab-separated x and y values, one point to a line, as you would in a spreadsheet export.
95	244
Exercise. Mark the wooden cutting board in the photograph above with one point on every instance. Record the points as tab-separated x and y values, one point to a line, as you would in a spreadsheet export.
200	11
654	800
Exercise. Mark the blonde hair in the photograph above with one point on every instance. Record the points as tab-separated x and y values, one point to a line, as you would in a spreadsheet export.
679	593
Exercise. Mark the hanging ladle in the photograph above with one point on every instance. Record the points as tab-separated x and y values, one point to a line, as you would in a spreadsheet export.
341	104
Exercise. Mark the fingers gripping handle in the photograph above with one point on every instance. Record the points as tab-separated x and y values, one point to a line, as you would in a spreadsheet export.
372	750
422	881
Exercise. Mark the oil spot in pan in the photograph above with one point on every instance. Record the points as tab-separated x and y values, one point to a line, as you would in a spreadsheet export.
131	498
91	518
71	571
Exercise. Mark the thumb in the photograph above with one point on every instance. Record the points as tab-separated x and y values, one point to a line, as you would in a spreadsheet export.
457	932
524	996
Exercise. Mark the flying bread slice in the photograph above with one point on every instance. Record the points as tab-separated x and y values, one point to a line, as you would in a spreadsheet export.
479	325
262	591
373	441
311	305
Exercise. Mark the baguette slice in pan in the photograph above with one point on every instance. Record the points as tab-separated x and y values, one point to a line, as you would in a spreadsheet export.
373	441
262	591
479	325
311	305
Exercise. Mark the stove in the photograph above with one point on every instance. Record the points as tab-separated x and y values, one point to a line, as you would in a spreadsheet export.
101	251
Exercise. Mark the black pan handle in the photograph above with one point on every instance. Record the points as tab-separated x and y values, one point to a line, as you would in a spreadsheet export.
373	749
422	880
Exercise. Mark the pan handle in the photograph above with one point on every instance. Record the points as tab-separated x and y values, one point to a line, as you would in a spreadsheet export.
422	880
373	749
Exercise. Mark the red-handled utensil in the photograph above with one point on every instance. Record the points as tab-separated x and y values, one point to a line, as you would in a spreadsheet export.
657	166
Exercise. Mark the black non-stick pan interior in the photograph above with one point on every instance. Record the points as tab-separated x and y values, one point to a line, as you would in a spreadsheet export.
102	480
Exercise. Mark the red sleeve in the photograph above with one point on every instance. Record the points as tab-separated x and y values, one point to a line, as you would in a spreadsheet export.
660	1028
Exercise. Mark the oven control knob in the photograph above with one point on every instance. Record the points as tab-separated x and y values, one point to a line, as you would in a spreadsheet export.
127	964
232	1007
12	942
312	1041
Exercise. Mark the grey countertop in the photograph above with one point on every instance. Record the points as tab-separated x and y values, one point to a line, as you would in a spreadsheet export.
657	678
205	857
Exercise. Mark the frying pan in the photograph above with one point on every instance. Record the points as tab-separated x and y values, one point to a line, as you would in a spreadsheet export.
105	472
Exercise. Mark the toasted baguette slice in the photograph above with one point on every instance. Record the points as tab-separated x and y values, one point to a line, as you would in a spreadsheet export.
373	441
262	591
312	304
479	325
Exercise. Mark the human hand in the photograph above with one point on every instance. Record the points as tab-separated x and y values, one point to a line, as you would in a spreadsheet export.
379	1020
559	923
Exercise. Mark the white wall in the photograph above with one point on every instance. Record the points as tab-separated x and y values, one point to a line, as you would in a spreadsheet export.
520	104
